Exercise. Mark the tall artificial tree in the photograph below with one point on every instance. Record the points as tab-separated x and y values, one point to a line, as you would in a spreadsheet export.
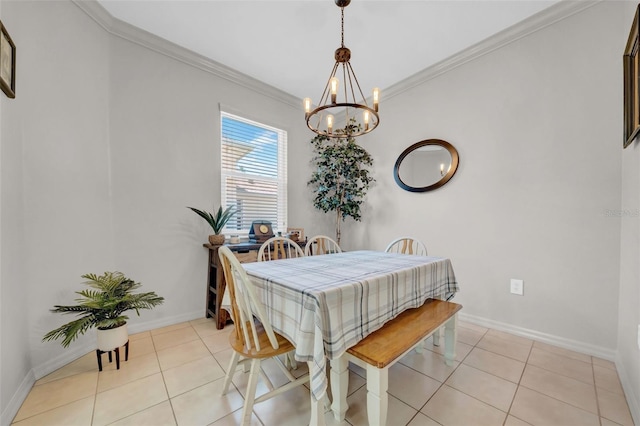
341	178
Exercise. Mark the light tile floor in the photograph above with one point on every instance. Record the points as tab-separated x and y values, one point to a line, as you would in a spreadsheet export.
174	373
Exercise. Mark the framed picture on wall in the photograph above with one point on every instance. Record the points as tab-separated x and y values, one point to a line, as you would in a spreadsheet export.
631	85
7	63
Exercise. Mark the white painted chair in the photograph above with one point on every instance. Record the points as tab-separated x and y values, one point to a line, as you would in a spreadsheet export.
410	245
253	339
321	244
279	248
407	245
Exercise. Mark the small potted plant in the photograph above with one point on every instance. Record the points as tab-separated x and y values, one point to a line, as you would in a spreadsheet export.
217	222
102	306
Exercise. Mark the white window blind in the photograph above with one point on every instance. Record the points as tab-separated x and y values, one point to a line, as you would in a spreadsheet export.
254	173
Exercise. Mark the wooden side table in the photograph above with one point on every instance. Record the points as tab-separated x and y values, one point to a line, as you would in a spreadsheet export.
245	252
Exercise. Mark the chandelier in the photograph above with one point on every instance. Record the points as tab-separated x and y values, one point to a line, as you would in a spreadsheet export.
359	117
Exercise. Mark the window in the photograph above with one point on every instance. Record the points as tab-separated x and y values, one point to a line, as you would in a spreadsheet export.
254	173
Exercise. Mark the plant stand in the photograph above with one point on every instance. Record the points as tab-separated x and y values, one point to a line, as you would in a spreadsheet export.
117	351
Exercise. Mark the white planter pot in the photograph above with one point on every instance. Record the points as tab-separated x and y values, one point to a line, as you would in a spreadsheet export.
113	338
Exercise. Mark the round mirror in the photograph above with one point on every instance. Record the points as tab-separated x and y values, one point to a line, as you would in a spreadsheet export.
426	165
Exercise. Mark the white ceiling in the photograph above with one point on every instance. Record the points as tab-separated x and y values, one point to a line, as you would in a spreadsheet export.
289	44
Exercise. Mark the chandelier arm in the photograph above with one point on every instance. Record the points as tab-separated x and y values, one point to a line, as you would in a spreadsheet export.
349	72
325	94
364	100
346	93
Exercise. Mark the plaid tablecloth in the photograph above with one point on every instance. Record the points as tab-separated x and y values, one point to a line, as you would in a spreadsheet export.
326	304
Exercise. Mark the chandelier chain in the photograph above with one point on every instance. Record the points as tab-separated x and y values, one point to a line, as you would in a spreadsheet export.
342	27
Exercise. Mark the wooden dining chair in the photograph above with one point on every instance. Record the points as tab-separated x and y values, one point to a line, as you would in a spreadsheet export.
253	339
279	248
323	245
407	245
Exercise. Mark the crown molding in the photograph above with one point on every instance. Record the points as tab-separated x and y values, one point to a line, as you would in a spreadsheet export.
143	38
549	16
555	13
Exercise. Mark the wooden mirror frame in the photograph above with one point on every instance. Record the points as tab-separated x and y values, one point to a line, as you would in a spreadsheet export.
438	142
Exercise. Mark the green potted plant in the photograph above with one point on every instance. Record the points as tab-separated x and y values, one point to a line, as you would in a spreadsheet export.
342	177
217	222
102	306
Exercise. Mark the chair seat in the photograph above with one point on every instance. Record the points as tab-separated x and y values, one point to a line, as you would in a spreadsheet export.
266	350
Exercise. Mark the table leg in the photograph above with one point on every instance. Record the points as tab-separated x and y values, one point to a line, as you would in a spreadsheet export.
339	387
377	398
450	337
317	407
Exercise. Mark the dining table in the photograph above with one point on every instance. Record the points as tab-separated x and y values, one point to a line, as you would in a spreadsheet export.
326	304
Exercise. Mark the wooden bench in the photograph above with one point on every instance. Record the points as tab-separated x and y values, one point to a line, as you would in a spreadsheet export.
384	347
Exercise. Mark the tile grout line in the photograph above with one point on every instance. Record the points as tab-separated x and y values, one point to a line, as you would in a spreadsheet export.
526	363
166	389
507	341
443	383
595	389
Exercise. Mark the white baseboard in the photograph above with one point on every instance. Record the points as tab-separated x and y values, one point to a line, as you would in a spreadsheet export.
600	352
70	355
52	364
164	322
632	398
17	399
574	345
67	356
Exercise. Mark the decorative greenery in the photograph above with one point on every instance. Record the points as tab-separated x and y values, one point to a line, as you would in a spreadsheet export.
102	305
342	176
217	221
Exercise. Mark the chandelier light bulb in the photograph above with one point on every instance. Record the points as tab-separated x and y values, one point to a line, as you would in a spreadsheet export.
329	123
376	98
307	105
334	89
365	118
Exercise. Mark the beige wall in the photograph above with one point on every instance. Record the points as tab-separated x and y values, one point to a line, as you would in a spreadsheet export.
537	125
103	148
629	305
165	155
55	207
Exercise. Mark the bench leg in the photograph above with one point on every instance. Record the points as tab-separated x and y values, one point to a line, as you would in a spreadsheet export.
339	387
377	398
450	337
436	337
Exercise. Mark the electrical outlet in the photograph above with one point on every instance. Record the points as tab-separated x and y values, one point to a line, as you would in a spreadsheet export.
517	287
